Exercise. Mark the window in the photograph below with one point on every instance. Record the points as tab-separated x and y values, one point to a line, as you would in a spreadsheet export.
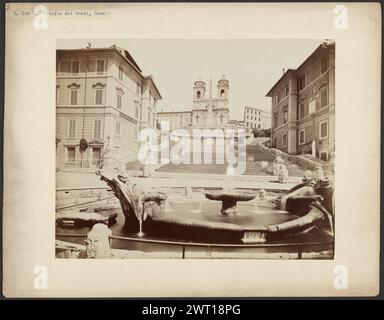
99	96
65	66
75	67
118	102
284	140
150	95
149	115
251	118
97	129
117	128
222	92
153	120
278	97
324	129
301	82
100	66
138	87
301	110
275	120
71	154
73	97
121	71
285	119
71	129
286	90
137	112
301	136
324	64
198	94
324	156
96	156
324	97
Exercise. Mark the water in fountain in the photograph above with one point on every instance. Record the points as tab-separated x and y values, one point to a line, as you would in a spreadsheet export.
256	207
140	233
167	206
199	208
254	237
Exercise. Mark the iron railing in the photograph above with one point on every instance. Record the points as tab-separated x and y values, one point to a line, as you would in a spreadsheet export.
298	246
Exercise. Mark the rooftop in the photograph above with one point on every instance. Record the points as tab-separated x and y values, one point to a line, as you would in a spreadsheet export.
124	54
325	45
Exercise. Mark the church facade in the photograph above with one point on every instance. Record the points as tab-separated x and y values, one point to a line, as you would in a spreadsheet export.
207	111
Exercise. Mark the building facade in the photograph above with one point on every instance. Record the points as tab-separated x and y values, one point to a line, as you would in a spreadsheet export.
207	111
102	101
256	118
303	106
176	119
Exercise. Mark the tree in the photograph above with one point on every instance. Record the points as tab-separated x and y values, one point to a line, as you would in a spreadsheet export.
258	133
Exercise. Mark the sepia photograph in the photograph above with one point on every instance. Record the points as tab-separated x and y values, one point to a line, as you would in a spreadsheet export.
191	150
221	149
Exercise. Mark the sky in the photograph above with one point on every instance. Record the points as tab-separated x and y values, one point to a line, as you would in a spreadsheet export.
251	66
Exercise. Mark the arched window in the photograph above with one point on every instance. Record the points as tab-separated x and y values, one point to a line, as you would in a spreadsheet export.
222	92
198	94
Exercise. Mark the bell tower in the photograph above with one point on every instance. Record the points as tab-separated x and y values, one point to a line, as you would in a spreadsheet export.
199	89
222	92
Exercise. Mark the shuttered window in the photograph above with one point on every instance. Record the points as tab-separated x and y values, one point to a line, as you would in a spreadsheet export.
65	66
301	136
71	154
73	96
324	64
323	129
285	114
99	96
100	66
97	129
121	72
71	128
284	140
75	67
301	82
324	97
118	102
96	156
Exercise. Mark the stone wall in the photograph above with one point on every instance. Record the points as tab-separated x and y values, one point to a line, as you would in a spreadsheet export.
296	159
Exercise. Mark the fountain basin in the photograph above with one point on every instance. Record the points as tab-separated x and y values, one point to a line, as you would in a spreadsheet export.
184	222
229	200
